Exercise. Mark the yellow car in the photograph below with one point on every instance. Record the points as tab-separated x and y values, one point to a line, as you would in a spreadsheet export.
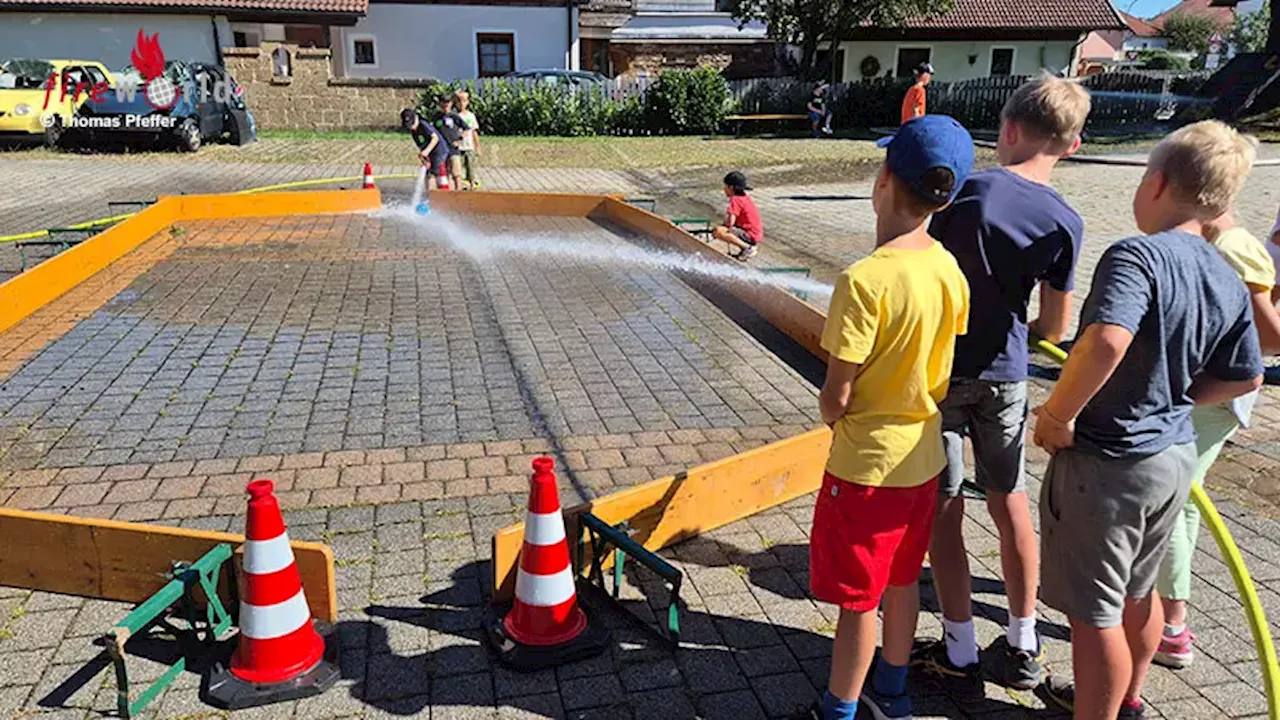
31	106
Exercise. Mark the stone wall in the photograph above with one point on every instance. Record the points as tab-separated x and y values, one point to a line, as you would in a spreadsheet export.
311	98
736	60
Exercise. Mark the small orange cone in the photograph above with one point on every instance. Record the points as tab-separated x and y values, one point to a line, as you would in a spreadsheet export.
368	176
279	656
545	626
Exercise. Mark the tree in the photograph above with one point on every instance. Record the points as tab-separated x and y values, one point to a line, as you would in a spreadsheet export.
1249	34
807	24
1190	33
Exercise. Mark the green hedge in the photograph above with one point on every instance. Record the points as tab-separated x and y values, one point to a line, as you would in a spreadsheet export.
677	102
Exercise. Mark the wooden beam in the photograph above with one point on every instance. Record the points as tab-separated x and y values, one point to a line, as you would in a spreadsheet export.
799	320
676	508
274	204
127	562
516	203
27	292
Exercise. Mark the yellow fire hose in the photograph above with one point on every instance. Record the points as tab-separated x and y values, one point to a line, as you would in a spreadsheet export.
32	235
1244	584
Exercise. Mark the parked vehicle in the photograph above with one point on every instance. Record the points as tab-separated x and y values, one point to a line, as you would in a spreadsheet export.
184	107
33	108
572	78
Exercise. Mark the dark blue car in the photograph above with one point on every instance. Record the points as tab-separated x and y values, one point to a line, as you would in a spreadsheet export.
186	106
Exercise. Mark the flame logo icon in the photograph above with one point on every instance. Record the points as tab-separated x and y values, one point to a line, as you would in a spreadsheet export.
148	59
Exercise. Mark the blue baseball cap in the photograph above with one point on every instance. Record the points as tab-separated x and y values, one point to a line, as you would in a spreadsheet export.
925	143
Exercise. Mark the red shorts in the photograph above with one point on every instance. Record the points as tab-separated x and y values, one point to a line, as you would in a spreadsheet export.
865	539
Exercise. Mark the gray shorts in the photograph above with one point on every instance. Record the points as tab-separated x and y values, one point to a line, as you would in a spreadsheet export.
742	235
1105	525
994	416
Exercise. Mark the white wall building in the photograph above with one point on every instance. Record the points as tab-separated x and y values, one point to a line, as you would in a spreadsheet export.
108	37
404	40
978	39
959	59
196	31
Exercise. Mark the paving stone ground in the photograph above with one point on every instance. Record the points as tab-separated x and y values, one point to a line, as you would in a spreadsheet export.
246	340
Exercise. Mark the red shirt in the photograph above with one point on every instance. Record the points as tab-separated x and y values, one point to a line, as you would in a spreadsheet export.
746	216
913	103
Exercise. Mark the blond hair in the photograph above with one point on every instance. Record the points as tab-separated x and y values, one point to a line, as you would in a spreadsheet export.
461	95
1205	165
1050	108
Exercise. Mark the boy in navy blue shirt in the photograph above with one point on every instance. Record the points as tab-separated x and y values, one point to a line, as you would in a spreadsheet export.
1010	232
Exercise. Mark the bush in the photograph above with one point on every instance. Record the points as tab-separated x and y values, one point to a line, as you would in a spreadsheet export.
1162	60
687	102
677	102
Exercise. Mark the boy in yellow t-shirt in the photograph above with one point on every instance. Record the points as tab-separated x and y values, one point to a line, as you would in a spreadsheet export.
890	335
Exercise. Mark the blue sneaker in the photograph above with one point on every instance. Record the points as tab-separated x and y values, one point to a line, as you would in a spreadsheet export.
422	209
895	707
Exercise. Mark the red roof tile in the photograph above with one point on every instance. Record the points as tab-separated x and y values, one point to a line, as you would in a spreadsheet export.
1140	27
345	7
1224	15
1024	15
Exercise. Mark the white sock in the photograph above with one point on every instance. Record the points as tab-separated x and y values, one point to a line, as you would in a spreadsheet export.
1021	633
1174	630
962	645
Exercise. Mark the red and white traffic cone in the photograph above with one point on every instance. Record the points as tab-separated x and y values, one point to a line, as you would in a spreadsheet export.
442	178
368	177
545	626
280	655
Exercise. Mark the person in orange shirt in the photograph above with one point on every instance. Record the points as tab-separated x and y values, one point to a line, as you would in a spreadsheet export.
913	103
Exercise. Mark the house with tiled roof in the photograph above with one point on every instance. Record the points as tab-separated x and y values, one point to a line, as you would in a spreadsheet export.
192	30
369	39
1109	48
981	38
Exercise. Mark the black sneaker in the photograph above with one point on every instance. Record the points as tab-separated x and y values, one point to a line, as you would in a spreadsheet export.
1061	691
1015	668
813	712
1132	713
1063	694
932	659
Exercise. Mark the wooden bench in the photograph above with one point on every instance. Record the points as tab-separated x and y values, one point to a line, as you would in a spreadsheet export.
738	120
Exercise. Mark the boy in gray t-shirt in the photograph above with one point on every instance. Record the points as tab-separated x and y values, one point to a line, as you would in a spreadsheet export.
1167	325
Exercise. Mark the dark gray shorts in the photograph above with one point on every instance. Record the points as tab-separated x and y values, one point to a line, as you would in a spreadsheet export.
994	416
742	235
1104	528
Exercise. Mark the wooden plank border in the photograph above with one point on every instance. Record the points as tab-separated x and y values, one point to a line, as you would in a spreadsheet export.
127	562
27	292
675	508
797	319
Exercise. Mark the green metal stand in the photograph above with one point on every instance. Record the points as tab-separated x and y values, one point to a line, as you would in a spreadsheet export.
694	226
600	537
217	620
61	242
643	203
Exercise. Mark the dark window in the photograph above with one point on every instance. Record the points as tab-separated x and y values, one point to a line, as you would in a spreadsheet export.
240	39
95	75
363	52
496	53
307	36
909	58
1002	61
822	63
